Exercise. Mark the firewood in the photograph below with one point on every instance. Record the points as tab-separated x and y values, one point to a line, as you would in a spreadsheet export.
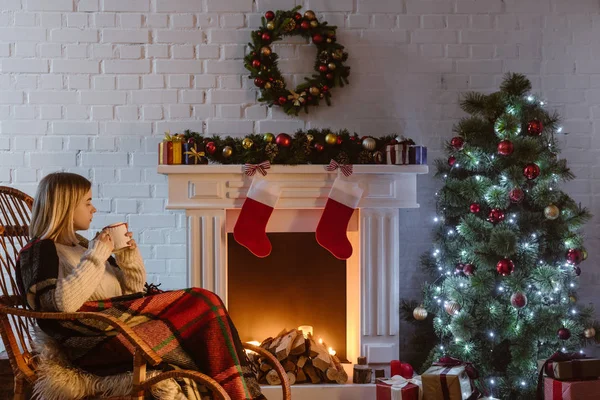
343	375
322	359
273	378
299	345
332	374
312	373
285	345
275	343
291	377
288	365
300	376
301	361
265	366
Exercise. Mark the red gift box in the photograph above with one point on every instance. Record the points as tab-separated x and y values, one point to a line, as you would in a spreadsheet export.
399	388
571	390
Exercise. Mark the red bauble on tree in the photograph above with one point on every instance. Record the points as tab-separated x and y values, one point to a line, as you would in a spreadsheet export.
451	161
475	208
210	147
574	256
518	300
468	269
535	127
283	140
505	267
457	142
255	63
505	148
496	216
516	195
531	171
269	15
563	333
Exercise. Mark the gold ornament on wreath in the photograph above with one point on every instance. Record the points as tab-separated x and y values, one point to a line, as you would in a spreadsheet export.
551	212
261	61
420	313
589	333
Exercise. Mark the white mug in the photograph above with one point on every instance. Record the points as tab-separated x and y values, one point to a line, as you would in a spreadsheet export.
117	233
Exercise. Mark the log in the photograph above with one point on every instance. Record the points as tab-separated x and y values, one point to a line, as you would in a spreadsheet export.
273	378
299	345
265	366
312	373
275	343
285	345
343	375
300	376
332	374
322	359
362	374
291	377
289	365
302	361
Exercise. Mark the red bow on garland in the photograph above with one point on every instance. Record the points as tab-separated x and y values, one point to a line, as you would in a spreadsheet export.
250	169
345	168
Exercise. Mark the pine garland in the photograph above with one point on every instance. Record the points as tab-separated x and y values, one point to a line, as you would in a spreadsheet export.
329	63
304	148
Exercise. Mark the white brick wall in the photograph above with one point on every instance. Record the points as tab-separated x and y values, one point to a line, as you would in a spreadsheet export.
89	86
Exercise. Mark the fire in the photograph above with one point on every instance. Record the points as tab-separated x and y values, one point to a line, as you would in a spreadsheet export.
332	352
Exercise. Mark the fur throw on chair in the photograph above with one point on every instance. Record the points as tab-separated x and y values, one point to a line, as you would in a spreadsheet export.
59	380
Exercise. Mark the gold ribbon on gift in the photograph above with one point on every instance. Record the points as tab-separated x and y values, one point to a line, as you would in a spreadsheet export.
168	137
193	153
297	98
398	383
177	149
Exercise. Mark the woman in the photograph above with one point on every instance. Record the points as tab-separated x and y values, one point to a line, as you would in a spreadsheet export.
60	271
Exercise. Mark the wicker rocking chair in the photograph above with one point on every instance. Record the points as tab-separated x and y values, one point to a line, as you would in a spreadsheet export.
17	320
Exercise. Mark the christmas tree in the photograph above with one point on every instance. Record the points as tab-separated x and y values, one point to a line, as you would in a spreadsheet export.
507	252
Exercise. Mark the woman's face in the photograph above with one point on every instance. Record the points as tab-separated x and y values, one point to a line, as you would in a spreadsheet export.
84	212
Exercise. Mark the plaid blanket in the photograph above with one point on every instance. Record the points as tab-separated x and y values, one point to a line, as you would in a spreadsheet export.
188	328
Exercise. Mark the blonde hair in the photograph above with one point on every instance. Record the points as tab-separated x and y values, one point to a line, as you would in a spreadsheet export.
58	194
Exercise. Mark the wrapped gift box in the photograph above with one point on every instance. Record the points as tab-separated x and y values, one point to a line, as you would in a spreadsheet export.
571	390
446	383
398	388
417	155
397	154
583	368
165	153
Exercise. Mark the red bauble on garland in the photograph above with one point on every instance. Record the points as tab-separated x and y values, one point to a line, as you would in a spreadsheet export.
266	37
516	195
535	127
323	68
574	256
318	39
283	140
255	63
563	333
259	82
319	147
505	148
496	216
474	208
269	15
451	161
518	300
305	25
297	16
505	267
210	147
282	100
457	142
531	171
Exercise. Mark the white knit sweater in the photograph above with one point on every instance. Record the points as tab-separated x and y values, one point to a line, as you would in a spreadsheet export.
85	274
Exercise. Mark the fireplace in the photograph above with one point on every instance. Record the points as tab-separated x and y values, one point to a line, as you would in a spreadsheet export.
366	295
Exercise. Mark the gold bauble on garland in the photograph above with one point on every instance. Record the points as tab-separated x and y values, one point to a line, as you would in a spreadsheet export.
309	15
331	66
452	307
268	85
314	90
420	313
314	24
310	138
270	25
551	212
331	138
247	143
369	143
590	333
227	151
265	51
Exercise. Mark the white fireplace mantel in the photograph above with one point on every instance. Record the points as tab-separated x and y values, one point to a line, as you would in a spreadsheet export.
212	196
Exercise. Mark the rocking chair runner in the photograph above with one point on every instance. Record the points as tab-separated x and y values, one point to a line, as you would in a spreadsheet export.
17	321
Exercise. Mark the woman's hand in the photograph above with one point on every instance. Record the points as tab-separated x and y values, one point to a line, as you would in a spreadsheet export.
104	238
132	244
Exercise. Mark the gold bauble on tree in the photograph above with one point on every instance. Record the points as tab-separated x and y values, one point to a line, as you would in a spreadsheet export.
265	51
452	307
314	24
268	85
331	66
309	15
247	143
227	151
551	212
420	313
369	143
314	90
268	137
590	333
331	138
270	25
310	138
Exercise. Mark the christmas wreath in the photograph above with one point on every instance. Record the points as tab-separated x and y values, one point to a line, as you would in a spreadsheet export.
329	65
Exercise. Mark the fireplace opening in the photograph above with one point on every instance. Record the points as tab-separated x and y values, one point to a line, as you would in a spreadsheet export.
299	284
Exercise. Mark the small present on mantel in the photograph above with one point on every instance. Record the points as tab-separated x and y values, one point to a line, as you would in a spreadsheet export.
417	155
399	388
563	366
170	150
449	379
396	153
571	390
191	155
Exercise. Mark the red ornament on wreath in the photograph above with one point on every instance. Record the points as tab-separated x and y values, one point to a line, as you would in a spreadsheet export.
563	333
505	148
319	147
516	195
457	142
451	161
474	208
266	37
505	267
317	39
305	25
574	256
496	216
269	15
283	140
535	127
282	100
210	147
531	171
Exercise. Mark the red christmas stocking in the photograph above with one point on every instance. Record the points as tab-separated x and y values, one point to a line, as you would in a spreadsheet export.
331	231
250	227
